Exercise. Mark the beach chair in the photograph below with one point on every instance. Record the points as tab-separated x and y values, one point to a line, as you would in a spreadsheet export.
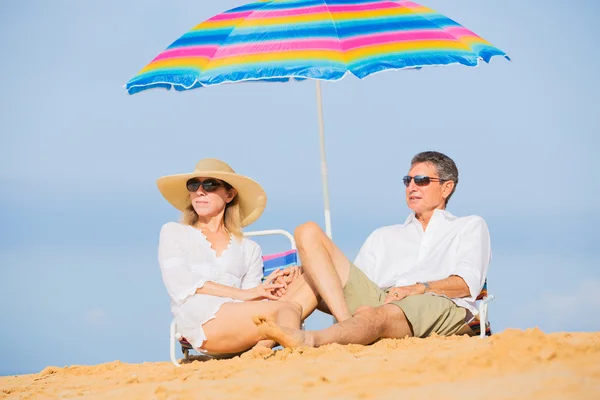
270	263
481	324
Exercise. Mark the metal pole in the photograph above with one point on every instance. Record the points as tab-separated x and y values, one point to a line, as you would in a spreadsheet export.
323	162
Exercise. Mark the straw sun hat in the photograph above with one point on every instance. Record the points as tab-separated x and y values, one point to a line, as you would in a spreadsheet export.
251	196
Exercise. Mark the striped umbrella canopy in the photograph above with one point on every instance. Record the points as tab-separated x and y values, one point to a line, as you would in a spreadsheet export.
279	40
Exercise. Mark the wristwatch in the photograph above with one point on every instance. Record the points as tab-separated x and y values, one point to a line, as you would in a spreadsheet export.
426	284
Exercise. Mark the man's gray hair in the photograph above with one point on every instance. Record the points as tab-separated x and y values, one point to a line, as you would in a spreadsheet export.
446	168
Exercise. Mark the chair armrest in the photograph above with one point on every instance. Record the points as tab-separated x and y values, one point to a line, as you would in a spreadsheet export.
487	299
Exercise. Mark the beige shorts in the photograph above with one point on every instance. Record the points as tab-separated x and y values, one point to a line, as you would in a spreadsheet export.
426	313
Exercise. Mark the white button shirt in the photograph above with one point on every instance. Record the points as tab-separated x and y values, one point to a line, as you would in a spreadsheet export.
401	255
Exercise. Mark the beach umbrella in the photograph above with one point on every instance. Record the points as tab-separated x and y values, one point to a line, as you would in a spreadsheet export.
280	40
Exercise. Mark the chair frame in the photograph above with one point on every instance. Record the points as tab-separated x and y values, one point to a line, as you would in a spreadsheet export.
483	314
175	336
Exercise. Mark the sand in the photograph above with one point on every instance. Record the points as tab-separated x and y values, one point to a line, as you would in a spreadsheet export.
513	364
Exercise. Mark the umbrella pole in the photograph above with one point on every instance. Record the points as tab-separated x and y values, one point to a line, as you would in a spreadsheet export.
323	162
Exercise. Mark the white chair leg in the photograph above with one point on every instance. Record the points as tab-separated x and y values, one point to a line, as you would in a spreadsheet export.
483	315
482	319
172	341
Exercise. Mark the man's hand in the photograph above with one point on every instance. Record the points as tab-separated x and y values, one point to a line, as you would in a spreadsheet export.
288	275
400	292
268	289
263	291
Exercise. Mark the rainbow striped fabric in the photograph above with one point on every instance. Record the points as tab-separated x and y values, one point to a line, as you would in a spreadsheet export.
279	260
279	40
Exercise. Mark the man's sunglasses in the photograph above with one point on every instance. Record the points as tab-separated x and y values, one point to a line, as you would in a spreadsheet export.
421	180
209	185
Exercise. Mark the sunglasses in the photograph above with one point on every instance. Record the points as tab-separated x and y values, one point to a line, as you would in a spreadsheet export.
421	180
209	185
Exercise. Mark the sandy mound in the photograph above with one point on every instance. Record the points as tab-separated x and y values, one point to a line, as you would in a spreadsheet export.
513	364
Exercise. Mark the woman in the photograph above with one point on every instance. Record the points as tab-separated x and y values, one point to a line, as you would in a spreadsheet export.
212	273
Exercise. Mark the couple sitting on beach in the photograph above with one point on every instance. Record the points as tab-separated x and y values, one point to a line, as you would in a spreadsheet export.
414	279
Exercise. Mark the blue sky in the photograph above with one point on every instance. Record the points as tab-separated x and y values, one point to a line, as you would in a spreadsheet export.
80	212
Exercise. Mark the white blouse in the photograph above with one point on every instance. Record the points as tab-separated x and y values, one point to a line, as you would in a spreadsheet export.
187	261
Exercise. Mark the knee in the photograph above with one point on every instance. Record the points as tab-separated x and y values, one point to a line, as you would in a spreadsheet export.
376	316
366	312
307	232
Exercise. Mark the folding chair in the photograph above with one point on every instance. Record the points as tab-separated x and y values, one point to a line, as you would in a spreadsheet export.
270	263
481	324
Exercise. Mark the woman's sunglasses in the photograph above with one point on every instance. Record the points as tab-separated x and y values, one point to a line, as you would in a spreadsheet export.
209	185
421	180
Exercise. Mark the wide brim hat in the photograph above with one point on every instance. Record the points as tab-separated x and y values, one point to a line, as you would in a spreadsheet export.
252	198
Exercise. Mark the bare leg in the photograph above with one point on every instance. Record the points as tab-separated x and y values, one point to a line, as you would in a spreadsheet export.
368	325
233	331
286	337
300	291
326	271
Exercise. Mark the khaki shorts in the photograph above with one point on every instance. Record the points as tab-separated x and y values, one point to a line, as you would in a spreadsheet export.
426	313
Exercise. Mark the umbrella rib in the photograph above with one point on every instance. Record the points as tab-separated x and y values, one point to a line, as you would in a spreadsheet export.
337	34
441	28
235	27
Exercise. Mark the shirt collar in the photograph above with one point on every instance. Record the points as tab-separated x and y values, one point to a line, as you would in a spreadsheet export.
437	214
410	219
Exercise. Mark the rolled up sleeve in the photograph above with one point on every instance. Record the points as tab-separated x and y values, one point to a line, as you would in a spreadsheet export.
473	255
181	282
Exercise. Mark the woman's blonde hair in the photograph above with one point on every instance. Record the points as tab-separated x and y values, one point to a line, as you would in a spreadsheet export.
232	218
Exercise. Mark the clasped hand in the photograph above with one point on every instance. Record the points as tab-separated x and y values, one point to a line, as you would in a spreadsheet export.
275	285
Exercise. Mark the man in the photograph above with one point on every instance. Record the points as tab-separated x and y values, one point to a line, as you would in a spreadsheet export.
414	279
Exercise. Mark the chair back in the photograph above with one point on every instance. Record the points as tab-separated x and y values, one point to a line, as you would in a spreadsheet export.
279	260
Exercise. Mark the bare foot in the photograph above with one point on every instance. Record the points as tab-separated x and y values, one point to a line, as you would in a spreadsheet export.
286	337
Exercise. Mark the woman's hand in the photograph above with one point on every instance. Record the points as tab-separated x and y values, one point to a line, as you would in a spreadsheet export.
289	275
268	289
